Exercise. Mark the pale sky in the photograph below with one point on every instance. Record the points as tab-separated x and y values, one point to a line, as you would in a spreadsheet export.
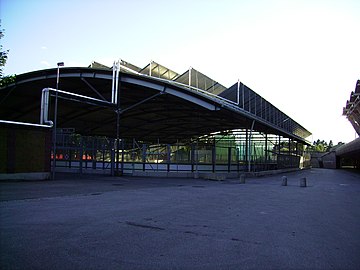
302	56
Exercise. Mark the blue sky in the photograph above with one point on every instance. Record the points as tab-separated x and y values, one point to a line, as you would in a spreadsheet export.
302	56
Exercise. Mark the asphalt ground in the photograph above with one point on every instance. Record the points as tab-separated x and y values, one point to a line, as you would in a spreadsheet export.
102	222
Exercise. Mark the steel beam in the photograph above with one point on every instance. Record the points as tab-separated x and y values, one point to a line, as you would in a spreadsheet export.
141	102
93	88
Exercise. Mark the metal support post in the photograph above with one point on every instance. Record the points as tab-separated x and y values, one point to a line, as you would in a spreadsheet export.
289	147
60	64
279	150
177	155
168	156
122	156
81	155
113	84
158	154
70	158
112	159
213	157
237	159
133	156
246	146
144	156
196	155
117	139
266	151
229	159
297	149
44	111
116	100
192	157
93	153
249	148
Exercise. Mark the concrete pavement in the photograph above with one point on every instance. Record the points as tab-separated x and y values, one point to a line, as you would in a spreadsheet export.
94	222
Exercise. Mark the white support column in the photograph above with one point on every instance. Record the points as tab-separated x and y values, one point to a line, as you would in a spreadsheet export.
117	71
113	84
44	106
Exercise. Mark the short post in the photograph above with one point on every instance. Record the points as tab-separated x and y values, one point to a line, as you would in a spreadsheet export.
284	181
303	182
242	178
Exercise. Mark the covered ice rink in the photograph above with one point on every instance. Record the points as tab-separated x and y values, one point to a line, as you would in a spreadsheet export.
130	120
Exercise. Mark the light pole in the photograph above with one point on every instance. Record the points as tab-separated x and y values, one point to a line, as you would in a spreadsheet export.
60	64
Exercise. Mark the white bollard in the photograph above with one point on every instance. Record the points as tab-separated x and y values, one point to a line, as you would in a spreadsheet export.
284	181
242	178
303	182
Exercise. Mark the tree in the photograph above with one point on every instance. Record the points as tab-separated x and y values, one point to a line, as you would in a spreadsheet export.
3	54
4	80
323	146
331	145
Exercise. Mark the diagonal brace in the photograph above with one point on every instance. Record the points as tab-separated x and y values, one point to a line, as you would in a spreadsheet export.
142	101
93	88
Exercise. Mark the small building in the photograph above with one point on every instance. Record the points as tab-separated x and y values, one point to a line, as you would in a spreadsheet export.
24	151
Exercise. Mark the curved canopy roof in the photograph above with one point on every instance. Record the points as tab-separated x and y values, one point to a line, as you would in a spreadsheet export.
150	107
